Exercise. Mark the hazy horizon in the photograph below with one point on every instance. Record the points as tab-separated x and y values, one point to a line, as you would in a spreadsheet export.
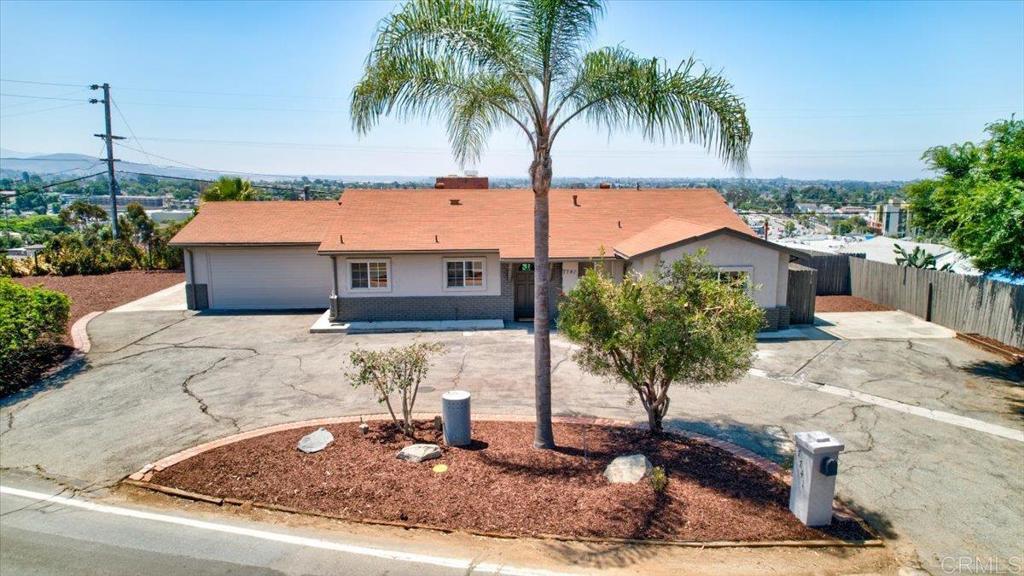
835	91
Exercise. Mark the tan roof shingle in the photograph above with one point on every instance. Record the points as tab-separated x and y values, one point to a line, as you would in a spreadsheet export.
247	223
583	223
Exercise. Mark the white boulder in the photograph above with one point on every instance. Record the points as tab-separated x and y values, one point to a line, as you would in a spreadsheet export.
420	452
628	469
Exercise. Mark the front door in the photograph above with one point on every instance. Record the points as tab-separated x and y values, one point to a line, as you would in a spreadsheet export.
523	283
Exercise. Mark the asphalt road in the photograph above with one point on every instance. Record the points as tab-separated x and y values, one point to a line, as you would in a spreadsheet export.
933	457
84	538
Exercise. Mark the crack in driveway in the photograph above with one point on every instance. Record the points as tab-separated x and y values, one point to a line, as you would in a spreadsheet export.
203	407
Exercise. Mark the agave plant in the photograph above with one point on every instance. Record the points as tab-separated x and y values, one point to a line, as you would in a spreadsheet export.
918	258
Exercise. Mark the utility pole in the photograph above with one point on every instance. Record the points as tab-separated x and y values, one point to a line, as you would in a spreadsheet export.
109	139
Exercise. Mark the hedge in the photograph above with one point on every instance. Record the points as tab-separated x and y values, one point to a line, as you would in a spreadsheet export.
30	320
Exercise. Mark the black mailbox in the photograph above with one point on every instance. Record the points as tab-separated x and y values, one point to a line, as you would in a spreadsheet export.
829	466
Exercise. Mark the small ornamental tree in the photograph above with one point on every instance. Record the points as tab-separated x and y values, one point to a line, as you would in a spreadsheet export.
682	325
395	370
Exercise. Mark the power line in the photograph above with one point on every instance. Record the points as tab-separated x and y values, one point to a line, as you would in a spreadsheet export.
34	97
253	184
585	153
26	113
130	131
54	184
38	83
194	167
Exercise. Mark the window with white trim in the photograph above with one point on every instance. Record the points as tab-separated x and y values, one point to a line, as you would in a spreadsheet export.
369	275
737	275
464	274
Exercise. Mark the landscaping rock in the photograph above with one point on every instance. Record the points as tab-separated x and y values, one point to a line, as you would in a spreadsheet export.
315	441
628	469
420	452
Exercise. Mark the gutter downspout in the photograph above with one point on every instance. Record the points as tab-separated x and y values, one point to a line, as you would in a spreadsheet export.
335	309
190	281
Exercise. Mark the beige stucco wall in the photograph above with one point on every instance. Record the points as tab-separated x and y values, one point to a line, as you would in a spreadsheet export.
768	267
261	277
423	275
571	273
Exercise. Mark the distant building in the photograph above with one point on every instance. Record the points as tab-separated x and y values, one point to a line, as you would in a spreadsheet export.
893	219
169	215
148	202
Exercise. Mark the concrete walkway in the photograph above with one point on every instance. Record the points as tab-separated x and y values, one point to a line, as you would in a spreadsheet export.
160	382
893	325
169	299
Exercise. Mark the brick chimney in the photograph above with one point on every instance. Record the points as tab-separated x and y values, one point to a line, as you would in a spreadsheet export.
468	182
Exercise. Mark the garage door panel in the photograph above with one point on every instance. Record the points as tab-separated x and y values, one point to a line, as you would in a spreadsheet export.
269	278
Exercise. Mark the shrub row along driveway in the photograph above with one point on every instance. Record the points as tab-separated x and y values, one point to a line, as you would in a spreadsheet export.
159	382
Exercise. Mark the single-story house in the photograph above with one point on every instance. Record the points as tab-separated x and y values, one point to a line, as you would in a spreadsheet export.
442	254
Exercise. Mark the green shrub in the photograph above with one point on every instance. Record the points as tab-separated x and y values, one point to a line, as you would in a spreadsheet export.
683	325
659	480
397	370
30	318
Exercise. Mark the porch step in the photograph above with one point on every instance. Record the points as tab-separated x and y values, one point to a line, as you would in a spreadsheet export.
323	325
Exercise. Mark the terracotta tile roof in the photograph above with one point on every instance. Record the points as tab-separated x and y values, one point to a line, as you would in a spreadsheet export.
598	222
668	231
277	222
502	219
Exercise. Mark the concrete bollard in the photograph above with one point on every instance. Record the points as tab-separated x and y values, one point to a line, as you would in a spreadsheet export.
455	416
815	467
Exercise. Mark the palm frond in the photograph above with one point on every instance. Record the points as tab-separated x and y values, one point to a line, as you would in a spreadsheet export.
619	90
554	33
483	105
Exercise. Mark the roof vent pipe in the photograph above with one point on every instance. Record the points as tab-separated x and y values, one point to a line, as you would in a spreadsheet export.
436	241
620	223
575	200
455	202
341	238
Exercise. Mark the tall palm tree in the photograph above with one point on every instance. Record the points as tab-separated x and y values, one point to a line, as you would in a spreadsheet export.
482	65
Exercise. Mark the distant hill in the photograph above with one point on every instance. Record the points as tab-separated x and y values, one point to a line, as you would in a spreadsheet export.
71	165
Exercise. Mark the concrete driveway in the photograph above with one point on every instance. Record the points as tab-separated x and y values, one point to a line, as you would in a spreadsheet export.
931	426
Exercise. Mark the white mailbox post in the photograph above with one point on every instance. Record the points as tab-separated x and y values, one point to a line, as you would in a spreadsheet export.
815	467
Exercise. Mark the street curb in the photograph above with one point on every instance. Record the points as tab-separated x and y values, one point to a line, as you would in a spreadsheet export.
143	479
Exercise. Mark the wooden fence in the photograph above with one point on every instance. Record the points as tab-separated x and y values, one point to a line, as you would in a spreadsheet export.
967	304
800	294
833	272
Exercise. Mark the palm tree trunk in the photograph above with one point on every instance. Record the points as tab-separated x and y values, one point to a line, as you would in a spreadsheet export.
540	175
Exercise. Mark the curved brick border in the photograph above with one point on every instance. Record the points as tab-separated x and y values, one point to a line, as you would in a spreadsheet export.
143	479
145	473
79	334
81	344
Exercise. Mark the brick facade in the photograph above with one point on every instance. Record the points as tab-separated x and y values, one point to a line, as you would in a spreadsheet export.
460	307
776	318
417	308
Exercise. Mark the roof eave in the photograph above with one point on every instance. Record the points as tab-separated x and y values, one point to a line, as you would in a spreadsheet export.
715	232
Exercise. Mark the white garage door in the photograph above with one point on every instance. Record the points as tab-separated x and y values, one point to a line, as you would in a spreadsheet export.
268	278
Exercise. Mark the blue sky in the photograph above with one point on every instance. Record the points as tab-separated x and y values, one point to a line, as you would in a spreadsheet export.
834	89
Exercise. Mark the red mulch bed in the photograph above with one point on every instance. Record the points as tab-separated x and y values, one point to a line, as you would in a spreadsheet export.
88	294
104	291
846	304
502	485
